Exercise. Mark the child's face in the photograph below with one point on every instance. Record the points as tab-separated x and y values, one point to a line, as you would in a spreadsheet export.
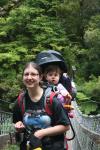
53	77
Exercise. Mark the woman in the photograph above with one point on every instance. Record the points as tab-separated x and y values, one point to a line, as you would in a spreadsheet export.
51	131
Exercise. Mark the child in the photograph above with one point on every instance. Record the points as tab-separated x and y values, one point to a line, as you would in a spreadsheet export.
45	58
52	74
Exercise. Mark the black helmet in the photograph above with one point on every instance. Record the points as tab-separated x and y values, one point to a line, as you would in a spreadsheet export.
45	58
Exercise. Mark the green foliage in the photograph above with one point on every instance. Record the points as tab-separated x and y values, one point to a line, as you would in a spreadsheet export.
81	22
26	30
92	39
28	27
88	96
89	90
10	84
11	147
3	2
92	89
70	11
81	96
88	107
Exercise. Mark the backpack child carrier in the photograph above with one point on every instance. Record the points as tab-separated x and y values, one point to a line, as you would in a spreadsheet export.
49	94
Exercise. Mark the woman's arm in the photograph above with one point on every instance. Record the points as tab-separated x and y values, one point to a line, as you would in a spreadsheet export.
17	118
51	131
17	114
60	122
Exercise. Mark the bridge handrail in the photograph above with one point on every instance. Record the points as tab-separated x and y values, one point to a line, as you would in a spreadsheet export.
5	122
87	136
92	122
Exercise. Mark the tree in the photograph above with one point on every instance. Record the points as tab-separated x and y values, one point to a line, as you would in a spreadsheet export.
92	41
24	31
28	27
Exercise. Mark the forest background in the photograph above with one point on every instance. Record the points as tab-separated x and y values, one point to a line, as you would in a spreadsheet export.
69	26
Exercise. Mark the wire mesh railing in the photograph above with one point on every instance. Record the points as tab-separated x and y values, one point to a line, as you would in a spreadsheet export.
92	122
5	122
87	130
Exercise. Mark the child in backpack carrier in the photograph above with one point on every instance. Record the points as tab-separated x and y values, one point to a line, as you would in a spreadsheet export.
52	74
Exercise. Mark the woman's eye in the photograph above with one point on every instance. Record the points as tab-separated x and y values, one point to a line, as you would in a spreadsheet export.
26	74
31	74
34	74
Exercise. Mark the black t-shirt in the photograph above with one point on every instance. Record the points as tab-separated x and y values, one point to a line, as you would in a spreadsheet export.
59	117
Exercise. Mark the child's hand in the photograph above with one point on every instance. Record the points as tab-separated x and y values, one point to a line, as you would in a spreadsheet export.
68	97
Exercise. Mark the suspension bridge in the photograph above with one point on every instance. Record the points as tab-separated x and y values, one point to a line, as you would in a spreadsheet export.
87	129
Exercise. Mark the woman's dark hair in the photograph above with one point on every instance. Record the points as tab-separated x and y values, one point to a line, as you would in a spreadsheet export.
34	65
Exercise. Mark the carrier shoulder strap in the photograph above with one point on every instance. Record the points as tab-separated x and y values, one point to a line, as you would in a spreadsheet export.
21	101
48	95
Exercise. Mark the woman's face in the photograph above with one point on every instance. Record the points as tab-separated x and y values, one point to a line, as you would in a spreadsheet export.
31	77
